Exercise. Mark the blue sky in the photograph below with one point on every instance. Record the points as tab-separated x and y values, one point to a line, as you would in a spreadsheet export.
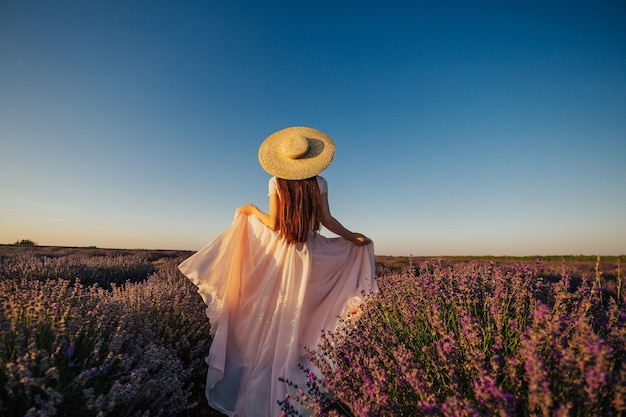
461	128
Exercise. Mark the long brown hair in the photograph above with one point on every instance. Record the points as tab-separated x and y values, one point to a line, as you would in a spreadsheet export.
300	208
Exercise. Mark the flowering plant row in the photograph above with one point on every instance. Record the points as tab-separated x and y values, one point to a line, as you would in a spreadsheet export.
68	349
480	341
88	270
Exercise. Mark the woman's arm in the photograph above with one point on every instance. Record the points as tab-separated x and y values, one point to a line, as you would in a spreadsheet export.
336	227
269	219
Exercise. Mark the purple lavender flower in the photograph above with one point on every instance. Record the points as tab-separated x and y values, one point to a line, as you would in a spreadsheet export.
70	350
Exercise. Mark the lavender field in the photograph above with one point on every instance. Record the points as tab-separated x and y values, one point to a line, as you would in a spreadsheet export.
94	332
99	333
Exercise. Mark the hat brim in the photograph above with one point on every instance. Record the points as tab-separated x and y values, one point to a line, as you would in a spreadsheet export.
319	156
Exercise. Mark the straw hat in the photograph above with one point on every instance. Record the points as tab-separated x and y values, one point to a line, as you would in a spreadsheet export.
296	153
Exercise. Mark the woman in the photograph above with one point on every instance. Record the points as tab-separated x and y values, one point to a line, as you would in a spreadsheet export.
272	282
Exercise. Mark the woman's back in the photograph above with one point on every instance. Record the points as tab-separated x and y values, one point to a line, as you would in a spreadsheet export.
300	207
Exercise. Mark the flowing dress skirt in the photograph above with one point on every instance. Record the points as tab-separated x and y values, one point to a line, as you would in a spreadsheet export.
267	300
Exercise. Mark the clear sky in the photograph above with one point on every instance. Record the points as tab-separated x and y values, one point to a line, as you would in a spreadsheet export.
461	128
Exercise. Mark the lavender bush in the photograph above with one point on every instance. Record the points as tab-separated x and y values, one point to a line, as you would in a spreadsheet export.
483	340
67	349
88	270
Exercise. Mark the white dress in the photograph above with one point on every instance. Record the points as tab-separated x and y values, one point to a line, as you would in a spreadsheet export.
267	300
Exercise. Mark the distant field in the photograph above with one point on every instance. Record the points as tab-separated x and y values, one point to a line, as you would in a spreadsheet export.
550	264
550	267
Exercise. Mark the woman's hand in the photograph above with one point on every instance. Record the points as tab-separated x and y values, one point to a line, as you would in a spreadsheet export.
360	240
270	220
248	209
